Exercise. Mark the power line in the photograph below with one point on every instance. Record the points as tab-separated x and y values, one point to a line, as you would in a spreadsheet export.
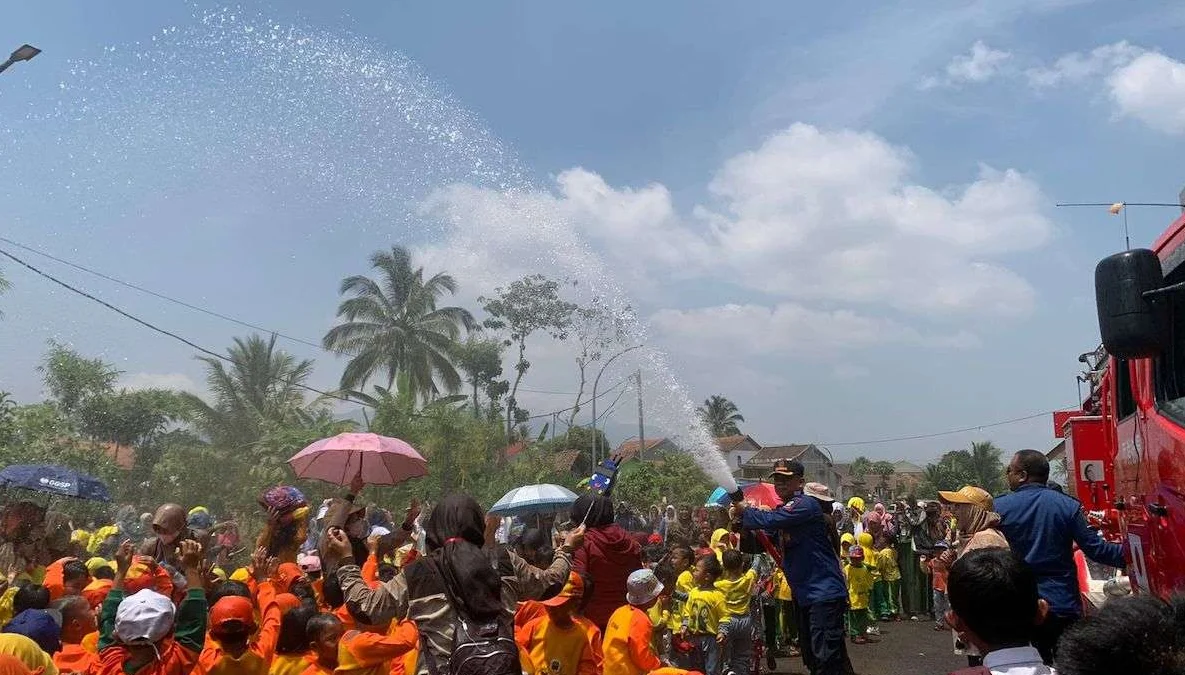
936	434
204	350
205	310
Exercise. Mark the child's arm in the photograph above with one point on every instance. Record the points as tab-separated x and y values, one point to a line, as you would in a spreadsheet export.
370	568
190	624
372	648
640	650
269	628
123	562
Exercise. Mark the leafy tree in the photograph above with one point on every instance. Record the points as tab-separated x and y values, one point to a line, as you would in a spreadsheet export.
481	361
580	439
720	415
72	378
7	418
885	470
674	476
858	469
261	385
392	325
598	329
529	305
987	466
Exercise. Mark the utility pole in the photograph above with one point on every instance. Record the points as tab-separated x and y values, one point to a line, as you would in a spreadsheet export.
641	427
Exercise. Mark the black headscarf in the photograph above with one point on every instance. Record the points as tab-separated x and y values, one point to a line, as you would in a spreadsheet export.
592	510
456	535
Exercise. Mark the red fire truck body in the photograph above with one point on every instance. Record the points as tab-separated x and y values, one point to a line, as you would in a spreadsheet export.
1125	448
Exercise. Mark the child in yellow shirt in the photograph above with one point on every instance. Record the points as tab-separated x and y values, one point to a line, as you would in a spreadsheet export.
557	643
886	562
737	586
860	584
705	616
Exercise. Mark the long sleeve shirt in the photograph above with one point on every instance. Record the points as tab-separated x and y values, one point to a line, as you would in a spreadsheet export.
1040	525
362	653
808	558
627	644
214	660
178	653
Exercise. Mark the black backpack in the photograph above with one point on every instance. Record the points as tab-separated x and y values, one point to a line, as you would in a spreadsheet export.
479	648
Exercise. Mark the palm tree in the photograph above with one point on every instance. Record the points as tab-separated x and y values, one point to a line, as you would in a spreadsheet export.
885	470
260	386
986	466
392	325
720	415
858	469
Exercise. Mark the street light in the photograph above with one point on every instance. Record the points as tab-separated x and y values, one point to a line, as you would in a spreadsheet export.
596	441
22	53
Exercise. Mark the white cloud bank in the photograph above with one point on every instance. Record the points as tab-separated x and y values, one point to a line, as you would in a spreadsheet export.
830	224
980	64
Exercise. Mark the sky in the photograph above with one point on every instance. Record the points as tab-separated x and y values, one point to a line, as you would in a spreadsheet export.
841	218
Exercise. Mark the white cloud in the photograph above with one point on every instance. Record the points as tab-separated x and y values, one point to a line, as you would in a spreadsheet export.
1141	84
173	381
787	328
849	371
1077	67
979	65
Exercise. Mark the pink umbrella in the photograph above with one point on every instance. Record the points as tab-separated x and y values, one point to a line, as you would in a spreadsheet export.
379	460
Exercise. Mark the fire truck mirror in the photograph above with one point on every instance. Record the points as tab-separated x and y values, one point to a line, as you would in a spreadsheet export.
1130	322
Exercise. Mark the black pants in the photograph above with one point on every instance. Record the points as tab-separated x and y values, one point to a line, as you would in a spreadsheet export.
1049	632
824	649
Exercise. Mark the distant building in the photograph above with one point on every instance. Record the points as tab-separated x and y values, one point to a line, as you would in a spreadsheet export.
737	450
651	448
819	467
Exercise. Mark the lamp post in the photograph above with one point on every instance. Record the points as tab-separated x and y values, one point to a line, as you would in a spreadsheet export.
22	53
596	440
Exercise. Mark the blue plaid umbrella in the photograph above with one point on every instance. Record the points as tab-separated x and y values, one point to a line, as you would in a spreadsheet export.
54	480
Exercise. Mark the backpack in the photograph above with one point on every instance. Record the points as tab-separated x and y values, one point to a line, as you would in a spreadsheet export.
478	648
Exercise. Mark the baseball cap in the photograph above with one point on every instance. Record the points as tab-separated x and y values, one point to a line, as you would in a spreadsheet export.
96	563
288	574
40	626
145	617
232	614
968	494
309	562
818	491
642	587
574	588
788	467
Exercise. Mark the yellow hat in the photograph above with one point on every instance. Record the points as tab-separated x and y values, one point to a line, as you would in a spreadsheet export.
240	574
220	573
96	563
968	494
856	503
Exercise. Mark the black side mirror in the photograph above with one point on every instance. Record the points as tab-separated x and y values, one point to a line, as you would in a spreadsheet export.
1129	321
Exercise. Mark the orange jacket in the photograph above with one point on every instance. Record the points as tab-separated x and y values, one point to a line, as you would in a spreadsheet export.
627	645
542	642
74	658
528	611
258	657
289	664
370	571
361	653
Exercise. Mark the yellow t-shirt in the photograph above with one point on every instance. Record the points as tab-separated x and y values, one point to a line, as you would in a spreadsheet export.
886	562
289	664
781	586
737	592
557	651
859	585
705	611
683	584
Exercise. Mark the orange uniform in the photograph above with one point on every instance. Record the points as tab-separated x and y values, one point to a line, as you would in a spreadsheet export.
627	645
289	664
370	571
257	659
361	653
178	653
560	651
527	611
74	658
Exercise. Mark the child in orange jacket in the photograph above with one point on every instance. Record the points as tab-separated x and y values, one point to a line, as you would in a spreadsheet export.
373	653
232	623
628	645
324	633
559	636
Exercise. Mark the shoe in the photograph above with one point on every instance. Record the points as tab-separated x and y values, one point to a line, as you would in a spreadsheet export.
873	630
770	662
860	640
913	617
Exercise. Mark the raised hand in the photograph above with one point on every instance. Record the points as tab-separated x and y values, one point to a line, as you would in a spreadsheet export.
124	555
191	555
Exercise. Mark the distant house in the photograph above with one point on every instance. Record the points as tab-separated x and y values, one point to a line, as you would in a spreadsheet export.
737	450
907	476
651	447
819	467
905	479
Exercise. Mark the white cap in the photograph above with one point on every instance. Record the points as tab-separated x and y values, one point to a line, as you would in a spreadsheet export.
145	616
379	530
642	587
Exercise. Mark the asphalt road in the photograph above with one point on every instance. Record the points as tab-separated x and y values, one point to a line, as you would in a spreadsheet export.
906	648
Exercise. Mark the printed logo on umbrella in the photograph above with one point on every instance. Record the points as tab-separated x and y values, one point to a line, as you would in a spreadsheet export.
56	484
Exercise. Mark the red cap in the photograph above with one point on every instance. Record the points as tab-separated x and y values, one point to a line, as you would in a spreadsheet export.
287	574
230	610
574	588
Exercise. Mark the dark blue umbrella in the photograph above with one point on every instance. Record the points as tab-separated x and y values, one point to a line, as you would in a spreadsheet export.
54	480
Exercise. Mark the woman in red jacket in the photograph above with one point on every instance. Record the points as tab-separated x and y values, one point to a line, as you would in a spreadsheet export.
609	555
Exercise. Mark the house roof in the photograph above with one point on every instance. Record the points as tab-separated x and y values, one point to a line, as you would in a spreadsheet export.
727	443
563	460
907	467
770	454
629	449
124	456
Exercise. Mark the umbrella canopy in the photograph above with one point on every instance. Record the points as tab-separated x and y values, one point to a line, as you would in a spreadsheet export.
531	499
757	494
379	460
54	480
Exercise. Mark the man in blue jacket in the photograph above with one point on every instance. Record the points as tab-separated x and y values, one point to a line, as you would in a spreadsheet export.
1041	524
810	562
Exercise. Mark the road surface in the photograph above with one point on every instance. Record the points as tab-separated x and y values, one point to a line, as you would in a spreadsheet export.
906	648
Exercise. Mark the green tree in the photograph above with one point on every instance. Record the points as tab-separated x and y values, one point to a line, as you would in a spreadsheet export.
481	361
721	416
674	476
580	439
260	385
392	325
858	470
7	418
885	470
529	305
987	466
72	378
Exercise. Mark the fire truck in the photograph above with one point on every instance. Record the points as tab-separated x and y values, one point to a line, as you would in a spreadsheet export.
1125	447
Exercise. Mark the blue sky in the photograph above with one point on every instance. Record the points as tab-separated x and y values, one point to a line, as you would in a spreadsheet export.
841	218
